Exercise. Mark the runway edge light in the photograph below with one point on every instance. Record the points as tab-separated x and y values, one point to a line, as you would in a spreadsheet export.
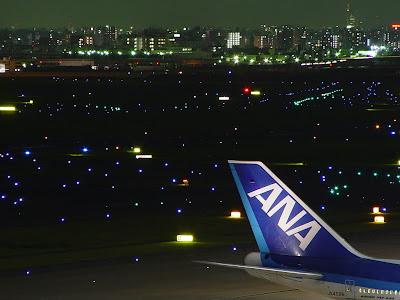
7	108
379	219
236	214
144	156
184	238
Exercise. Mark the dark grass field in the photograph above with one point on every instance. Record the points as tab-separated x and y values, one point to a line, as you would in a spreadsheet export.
296	142
77	242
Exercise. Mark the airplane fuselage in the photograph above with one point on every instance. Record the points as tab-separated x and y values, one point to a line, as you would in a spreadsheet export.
298	249
341	277
346	289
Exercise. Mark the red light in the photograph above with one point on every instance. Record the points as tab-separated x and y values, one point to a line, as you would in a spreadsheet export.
246	90
396	26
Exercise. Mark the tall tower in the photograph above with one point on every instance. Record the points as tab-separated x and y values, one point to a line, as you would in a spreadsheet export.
351	20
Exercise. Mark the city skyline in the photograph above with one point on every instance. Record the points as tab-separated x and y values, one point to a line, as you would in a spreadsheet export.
179	13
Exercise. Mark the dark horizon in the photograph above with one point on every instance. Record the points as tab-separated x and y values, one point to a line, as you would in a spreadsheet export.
178	13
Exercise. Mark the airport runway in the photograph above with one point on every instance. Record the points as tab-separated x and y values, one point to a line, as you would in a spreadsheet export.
169	276
166	277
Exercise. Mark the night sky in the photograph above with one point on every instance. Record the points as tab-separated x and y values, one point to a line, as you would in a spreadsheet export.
180	13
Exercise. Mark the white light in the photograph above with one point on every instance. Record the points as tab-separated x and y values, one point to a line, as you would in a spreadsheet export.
184	238
144	156
375	210
236	214
224	98
379	219
7	108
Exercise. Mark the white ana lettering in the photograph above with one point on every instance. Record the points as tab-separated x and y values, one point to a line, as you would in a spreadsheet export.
305	241
289	203
276	190
284	223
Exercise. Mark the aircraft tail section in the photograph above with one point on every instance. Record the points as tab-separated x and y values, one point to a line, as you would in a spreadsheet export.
281	222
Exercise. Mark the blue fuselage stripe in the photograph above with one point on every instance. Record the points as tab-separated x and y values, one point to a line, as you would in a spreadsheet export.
361	268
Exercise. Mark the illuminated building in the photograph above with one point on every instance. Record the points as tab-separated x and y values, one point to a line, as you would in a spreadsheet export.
335	41
353	38
286	38
268	38
89	40
139	43
391	38
150	40
111	33
233	39
67	37
7	64
259	41
351	20
80	42
245	40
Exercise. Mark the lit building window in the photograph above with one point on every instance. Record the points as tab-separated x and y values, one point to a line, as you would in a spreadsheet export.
233	39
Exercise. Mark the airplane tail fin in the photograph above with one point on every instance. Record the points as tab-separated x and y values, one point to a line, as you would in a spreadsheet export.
281	222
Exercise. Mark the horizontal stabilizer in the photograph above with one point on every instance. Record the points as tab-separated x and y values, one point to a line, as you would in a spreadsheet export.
271	271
